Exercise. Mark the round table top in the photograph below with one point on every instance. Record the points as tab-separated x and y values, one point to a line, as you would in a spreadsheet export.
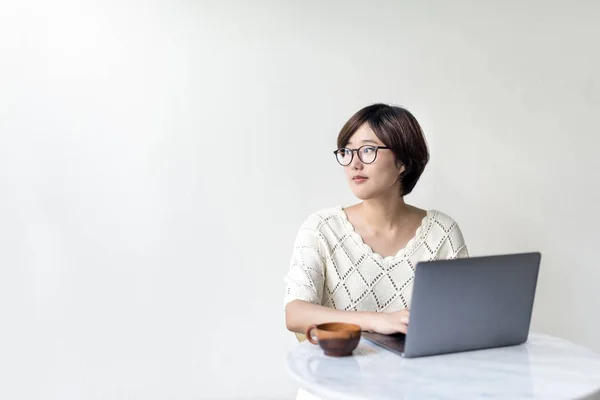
544	367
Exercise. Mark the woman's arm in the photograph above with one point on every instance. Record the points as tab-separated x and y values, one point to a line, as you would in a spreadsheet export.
299	315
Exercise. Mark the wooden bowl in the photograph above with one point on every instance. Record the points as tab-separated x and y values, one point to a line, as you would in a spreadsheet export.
337	339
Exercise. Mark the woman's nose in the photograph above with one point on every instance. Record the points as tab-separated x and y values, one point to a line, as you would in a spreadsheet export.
356	163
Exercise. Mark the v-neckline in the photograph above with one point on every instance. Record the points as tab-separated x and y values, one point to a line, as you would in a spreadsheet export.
359	239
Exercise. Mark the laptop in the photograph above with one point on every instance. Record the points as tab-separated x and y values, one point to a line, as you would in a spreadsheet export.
467	304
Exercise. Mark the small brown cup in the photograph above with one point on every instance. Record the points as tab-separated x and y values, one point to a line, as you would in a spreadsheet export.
337	339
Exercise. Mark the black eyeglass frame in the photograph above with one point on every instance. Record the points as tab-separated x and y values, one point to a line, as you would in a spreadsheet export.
377	148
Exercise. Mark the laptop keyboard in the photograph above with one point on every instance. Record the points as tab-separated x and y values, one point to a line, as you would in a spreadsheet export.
393	342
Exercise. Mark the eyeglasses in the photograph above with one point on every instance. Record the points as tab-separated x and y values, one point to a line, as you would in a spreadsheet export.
367	154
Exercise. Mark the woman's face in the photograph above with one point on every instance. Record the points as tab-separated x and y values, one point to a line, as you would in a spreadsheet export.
371	180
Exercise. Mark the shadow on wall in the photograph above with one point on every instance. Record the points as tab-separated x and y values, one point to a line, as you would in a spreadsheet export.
592	396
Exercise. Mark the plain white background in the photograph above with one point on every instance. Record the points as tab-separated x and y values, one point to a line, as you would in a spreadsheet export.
157	158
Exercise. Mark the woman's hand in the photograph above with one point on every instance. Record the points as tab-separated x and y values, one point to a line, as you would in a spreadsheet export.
389	323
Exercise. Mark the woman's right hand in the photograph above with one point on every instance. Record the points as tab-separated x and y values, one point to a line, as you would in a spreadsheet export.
389	323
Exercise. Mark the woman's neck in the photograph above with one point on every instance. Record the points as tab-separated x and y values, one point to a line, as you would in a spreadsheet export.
384	213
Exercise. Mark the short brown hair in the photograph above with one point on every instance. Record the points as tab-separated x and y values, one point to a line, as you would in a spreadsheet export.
399	130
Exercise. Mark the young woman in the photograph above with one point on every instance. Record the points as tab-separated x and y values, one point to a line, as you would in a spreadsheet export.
356	264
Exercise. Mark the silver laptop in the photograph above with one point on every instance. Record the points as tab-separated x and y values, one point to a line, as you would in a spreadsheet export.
467	304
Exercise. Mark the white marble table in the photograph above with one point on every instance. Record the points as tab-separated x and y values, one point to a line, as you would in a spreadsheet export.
544	367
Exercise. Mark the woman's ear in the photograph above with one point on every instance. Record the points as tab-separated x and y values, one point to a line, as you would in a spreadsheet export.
401	169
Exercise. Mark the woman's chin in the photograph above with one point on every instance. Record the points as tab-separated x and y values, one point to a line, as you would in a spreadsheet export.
367	193
363	194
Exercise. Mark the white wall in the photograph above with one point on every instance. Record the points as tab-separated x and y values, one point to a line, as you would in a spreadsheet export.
157	158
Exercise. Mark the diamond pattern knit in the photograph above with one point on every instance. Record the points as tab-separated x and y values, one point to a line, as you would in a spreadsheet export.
332	266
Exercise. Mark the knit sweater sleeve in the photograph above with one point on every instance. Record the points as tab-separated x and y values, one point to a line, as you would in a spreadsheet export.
305	278
453	243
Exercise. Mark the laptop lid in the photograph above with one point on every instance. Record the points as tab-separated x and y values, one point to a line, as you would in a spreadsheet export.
471	303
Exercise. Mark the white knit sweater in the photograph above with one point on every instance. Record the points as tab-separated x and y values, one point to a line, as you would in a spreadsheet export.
332	266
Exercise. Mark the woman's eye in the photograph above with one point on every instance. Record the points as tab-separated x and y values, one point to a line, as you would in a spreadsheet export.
368	150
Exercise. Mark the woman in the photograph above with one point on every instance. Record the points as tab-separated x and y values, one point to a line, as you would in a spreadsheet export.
357	264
